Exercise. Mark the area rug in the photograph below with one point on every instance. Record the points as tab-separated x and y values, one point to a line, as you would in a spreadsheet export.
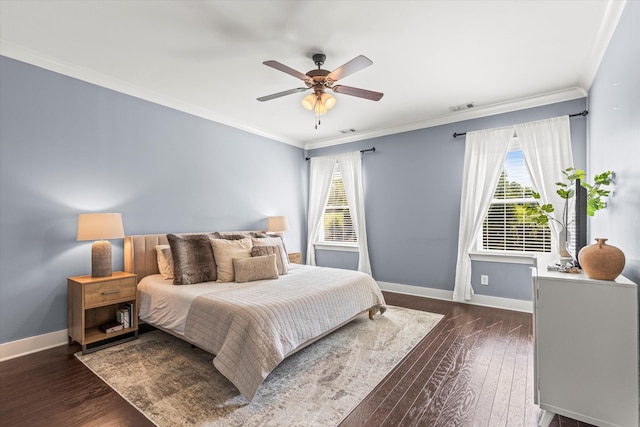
173	384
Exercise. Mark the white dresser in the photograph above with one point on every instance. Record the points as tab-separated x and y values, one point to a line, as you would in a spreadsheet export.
585	347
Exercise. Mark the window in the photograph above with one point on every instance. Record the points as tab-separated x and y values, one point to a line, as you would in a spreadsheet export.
506	227
338	227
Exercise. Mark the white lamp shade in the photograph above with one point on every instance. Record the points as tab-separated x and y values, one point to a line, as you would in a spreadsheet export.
309	101
328	100
277	224
320	109
100	226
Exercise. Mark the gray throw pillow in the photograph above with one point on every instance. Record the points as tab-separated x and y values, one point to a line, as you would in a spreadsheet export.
283	262
229	235
193	260
257	251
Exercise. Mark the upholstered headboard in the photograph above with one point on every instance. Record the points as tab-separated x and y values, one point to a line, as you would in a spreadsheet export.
140	252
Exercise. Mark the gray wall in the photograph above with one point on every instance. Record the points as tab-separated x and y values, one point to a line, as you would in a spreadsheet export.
614	139
412	187
68	147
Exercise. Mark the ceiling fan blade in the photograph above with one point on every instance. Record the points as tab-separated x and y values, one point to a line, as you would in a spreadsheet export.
285	93
360	93
356	64
281	67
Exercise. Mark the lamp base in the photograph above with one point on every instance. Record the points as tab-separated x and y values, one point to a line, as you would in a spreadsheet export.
101	259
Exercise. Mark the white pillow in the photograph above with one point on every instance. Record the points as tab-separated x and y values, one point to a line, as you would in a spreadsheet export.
165	261
224	251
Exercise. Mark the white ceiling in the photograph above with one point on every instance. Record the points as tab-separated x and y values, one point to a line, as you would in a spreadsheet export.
205	57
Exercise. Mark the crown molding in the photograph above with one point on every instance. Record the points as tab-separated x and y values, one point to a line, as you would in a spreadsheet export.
474	113
610	20
612	16
29	56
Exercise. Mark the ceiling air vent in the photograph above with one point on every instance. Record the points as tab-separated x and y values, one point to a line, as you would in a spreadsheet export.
343	131
461	107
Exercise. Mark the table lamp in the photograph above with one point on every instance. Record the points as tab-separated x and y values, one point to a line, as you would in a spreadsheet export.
99	227
277	224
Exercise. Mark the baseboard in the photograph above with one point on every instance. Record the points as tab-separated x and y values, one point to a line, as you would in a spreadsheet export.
13	349
483	300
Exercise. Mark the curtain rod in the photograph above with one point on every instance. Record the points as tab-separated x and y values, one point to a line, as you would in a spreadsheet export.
372	149
583	114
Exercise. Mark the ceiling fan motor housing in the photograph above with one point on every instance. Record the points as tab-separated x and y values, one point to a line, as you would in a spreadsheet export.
319	59
319	77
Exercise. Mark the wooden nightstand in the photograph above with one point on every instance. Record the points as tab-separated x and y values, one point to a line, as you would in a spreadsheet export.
94	301
294	257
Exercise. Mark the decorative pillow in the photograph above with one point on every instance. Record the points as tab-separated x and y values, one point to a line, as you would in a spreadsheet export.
283	262
279	236
224	251
192	258
229	235
257	251
165	261
255	268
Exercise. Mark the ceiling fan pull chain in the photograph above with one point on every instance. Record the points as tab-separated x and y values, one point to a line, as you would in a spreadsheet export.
317	115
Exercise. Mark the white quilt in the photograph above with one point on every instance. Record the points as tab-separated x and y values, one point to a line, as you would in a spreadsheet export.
251	327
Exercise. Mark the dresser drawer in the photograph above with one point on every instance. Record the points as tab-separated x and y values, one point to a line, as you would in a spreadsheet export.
104	292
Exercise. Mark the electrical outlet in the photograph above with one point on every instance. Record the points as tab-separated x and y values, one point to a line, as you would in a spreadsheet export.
484	279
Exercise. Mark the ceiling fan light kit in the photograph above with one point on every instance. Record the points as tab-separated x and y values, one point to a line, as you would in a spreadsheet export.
319	80
320	103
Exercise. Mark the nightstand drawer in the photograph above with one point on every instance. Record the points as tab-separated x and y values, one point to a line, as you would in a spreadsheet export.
105	292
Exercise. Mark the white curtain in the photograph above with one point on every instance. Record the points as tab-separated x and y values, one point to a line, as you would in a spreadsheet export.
484	156
546	145
351	168
321	171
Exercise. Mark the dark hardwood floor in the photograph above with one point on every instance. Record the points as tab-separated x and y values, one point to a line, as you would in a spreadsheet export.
474	369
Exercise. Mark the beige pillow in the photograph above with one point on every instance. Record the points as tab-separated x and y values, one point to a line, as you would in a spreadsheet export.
165	261
224	251
282	260
255	268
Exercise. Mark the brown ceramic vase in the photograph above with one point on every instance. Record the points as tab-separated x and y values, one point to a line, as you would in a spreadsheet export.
601	261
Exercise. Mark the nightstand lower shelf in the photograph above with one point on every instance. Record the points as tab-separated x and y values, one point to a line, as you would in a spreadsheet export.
108	340
94	334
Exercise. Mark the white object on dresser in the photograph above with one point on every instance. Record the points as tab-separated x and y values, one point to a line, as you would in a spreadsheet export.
585	347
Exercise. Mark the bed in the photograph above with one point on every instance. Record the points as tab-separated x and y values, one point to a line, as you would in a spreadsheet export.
249	327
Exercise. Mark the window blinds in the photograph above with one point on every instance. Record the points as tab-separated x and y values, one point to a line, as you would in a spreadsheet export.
506	227
338	226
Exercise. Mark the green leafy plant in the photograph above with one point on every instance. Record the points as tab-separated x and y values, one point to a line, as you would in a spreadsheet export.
541	214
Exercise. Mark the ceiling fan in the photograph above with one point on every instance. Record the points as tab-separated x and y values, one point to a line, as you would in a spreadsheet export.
319	80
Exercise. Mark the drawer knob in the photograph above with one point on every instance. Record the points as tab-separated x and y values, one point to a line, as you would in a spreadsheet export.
112	291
